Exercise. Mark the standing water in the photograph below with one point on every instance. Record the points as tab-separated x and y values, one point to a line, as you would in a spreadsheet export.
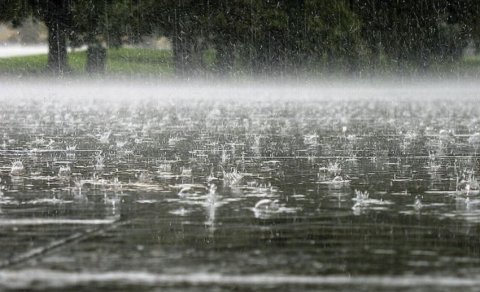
193	188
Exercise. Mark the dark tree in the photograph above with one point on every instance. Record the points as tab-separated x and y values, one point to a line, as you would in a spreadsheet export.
261	36
58	19
56	16
414	32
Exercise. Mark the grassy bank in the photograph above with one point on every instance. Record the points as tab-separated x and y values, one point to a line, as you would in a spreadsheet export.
136	62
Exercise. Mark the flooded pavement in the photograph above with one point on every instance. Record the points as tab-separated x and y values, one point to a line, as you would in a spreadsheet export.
125	187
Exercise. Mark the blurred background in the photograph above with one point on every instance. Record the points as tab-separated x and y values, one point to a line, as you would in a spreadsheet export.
305	38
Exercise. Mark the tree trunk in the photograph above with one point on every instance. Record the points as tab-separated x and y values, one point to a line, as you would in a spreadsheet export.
57	46
183	56
179	57
96	59
375	58
224	59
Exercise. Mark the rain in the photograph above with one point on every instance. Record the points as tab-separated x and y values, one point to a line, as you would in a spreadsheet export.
239	145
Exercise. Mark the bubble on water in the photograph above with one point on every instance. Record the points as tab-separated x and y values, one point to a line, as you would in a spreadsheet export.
17	168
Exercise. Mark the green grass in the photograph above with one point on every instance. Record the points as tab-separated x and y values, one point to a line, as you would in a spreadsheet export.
137	62
23	65
122	61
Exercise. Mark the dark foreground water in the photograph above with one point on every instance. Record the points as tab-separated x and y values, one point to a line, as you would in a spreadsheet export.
202	188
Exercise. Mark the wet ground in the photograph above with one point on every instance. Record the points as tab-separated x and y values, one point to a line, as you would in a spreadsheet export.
123	187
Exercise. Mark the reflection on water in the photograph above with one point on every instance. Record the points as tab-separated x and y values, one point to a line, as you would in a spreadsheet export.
216	191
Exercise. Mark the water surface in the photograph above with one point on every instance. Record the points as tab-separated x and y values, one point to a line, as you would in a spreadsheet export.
196	187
